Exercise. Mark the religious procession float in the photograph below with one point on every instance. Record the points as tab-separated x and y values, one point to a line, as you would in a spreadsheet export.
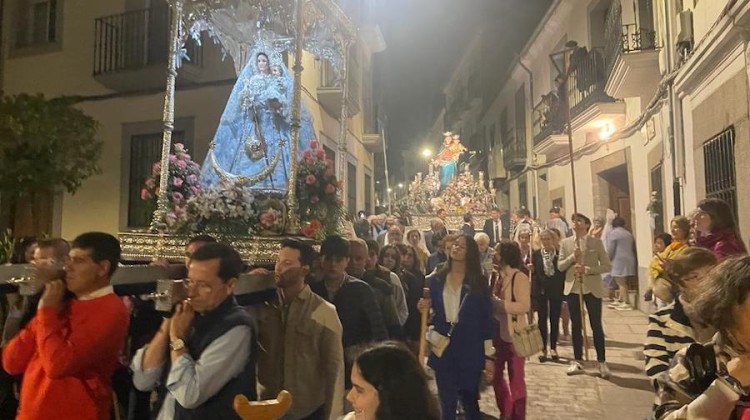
265	176
444	187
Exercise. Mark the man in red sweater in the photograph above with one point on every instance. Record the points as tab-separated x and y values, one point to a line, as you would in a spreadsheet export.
69	350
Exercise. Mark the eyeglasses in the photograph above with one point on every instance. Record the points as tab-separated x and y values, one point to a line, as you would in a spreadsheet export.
202	285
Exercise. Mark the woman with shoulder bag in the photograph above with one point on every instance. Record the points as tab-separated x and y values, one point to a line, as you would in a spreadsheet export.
460	337
511	301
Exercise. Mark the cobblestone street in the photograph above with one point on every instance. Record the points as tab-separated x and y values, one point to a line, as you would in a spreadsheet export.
626	395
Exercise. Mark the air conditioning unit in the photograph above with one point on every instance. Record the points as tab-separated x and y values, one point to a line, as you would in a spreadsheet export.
685	37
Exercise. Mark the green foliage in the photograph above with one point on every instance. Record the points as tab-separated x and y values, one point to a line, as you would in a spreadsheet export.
45	144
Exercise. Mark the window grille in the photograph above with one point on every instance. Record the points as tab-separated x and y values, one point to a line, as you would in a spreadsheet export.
718	156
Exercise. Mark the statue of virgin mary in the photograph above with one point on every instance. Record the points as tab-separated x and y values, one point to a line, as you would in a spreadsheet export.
252	142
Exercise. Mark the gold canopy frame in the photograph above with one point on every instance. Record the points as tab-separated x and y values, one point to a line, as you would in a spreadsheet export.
316	26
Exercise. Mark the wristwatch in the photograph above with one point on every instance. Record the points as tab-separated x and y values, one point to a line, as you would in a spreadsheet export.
177	345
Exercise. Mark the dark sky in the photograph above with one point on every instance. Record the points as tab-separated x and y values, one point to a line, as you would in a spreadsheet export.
425	39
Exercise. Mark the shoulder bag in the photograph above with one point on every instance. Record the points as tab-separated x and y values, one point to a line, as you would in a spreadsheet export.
527	339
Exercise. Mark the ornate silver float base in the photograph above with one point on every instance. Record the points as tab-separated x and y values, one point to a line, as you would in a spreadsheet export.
255	250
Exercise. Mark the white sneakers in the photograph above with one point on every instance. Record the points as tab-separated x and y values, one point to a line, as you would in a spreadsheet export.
604	372
620	306
575	368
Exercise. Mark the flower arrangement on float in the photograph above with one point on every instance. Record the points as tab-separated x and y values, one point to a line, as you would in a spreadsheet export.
318	191
230	209
182	185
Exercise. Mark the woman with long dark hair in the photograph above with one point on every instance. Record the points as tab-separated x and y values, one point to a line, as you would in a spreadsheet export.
413	281
715	229
511	300
462	316
388	384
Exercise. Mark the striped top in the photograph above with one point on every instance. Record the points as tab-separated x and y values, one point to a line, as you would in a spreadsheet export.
669	331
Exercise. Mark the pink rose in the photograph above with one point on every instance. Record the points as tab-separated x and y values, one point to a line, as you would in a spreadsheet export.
150	183
183	156
179	147
145	194
194	166
321	154
192	179
314	199
177	197
309	160
330	189
328	173
177	182
156	168
172	158
307	154
171	218
310	179
267	219
195	190
181	164
314	144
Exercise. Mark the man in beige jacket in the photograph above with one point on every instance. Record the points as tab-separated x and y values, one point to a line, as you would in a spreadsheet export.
584	260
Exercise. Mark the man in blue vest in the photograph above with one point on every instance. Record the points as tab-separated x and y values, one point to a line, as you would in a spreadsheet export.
202	353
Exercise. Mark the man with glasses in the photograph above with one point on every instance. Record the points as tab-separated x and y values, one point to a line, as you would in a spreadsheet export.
69	350
202	353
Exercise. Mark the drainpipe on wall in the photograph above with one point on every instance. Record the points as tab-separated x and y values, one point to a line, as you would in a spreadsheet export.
531	107
673	146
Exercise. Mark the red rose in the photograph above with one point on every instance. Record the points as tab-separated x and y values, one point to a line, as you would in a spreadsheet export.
267	219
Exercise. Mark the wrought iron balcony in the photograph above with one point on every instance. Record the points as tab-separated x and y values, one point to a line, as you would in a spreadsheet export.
514	154
631	53
587	77
138	41
549	117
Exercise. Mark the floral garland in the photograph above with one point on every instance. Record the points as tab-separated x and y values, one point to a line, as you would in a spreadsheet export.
318	191
182	185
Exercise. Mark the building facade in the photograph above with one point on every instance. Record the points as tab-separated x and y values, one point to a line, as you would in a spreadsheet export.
113	54
658	99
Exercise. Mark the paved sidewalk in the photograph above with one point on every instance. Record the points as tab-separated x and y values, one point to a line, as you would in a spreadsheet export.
626	395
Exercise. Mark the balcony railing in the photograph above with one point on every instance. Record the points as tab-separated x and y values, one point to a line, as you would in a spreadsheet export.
587	77
549	117
514	154
623	39
136	39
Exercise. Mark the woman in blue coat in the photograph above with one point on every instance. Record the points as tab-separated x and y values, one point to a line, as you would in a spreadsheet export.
461	308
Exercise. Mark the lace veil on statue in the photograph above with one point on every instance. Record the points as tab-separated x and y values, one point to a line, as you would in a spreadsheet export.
252	142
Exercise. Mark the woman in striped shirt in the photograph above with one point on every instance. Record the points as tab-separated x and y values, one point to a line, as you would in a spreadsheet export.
673	327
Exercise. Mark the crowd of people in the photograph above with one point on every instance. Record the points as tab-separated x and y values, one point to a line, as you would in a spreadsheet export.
342	332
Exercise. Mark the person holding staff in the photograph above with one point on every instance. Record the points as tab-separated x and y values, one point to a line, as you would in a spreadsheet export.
584	259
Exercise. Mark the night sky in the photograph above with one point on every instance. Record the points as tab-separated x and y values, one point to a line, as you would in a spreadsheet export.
425	39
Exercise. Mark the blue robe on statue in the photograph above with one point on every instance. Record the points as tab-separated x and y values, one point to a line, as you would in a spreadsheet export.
447	172
252	142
